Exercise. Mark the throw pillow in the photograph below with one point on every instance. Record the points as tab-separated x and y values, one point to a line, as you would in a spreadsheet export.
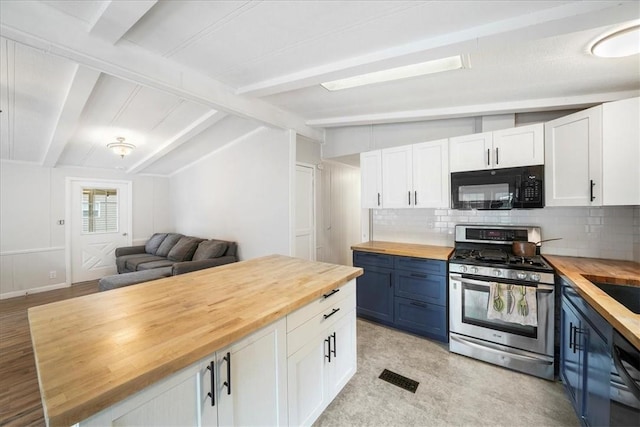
209	249
168	243
154	242
184	249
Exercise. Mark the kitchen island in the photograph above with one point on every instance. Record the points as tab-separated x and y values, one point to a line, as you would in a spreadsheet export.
96	351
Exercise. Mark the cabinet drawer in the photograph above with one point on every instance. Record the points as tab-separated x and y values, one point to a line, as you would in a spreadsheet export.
324	319
361	259
421	265
421	286
421	318
321	304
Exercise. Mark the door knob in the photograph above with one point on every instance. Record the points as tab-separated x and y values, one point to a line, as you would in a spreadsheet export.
125	234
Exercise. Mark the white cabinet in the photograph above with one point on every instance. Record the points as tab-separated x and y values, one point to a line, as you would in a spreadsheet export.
470	152
371	179
250	381
506	148
322	355
592	156
249	387
416	176
397	177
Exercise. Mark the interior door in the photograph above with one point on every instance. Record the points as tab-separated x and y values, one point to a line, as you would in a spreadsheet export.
100	222
305	216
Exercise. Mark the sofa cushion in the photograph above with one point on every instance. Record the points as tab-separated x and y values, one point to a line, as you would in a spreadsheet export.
133	264
168	243
209	249
155	264
184	249
154	242
120	280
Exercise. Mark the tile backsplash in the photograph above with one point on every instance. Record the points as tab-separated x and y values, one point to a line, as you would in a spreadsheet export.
605	232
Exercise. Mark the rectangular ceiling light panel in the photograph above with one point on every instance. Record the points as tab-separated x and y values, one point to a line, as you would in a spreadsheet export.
413	70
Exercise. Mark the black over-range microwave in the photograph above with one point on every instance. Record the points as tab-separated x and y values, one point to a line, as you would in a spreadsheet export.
521	187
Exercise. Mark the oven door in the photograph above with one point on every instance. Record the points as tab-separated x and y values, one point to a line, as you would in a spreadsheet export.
469	301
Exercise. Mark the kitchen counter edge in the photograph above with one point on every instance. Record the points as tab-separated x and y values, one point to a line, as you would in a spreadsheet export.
414	250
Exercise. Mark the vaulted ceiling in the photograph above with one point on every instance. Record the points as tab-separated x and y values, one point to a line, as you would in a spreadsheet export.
180	79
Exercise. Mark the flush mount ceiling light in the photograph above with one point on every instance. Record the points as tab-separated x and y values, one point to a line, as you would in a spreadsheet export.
622	43
121	148
413	70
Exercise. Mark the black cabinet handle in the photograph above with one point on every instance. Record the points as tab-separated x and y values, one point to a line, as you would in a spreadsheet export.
334	311
227	383
419	276
488	157
497	158
419	304
213	383
328	354
571	336
333	335
378	199
591	196
331	293
409	195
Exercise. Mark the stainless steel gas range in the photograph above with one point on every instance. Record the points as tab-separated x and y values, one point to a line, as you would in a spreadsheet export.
501	306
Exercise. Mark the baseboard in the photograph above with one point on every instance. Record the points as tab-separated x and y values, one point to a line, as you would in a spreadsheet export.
24	292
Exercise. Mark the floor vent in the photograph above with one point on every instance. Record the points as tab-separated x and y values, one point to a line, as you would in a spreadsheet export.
399	380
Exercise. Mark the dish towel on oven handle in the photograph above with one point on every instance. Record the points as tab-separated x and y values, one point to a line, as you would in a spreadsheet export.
513	303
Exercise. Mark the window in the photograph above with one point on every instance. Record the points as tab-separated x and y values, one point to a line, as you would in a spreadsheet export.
99	210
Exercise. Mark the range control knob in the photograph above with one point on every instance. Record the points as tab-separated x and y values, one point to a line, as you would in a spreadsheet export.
497	273
474	270
535	277
521	275
463	269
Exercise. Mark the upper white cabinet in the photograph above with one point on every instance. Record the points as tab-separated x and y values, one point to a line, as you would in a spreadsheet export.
416	176
470	152
371	179
507	148
592	156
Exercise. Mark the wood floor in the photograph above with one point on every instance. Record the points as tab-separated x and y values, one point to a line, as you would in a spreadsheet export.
20	403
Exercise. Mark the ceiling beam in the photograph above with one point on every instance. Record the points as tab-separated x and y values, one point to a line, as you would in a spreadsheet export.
563	19
84	80
118	18
529	106
40	26
195	128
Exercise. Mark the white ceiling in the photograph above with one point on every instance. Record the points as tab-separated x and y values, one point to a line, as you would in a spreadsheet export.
182	78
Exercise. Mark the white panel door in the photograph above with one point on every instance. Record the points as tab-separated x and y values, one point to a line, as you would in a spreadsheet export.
521	146
305	213
397	177
431	174
621	152
99	213
371	179
573	156
471	152
255	373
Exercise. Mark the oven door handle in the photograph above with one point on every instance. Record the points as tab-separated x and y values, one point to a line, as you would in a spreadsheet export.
539	287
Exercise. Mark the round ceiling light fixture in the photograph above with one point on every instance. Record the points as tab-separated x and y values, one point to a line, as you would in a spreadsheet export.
121	148
625	42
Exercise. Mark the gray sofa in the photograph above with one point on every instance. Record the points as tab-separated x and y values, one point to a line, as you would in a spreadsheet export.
167	254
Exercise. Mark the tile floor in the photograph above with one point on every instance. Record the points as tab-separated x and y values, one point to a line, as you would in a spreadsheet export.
454	390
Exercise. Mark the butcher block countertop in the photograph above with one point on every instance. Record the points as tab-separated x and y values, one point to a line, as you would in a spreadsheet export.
405	249
580	271
94	351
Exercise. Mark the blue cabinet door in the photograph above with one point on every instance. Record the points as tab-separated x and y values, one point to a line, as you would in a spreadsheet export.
374	294
597	378
421	265
571	354
421	318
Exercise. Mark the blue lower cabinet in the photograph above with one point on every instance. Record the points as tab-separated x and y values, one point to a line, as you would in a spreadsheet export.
406	293
421	318
374	294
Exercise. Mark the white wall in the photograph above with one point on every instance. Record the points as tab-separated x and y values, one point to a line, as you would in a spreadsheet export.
32	200
240	193
606	232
